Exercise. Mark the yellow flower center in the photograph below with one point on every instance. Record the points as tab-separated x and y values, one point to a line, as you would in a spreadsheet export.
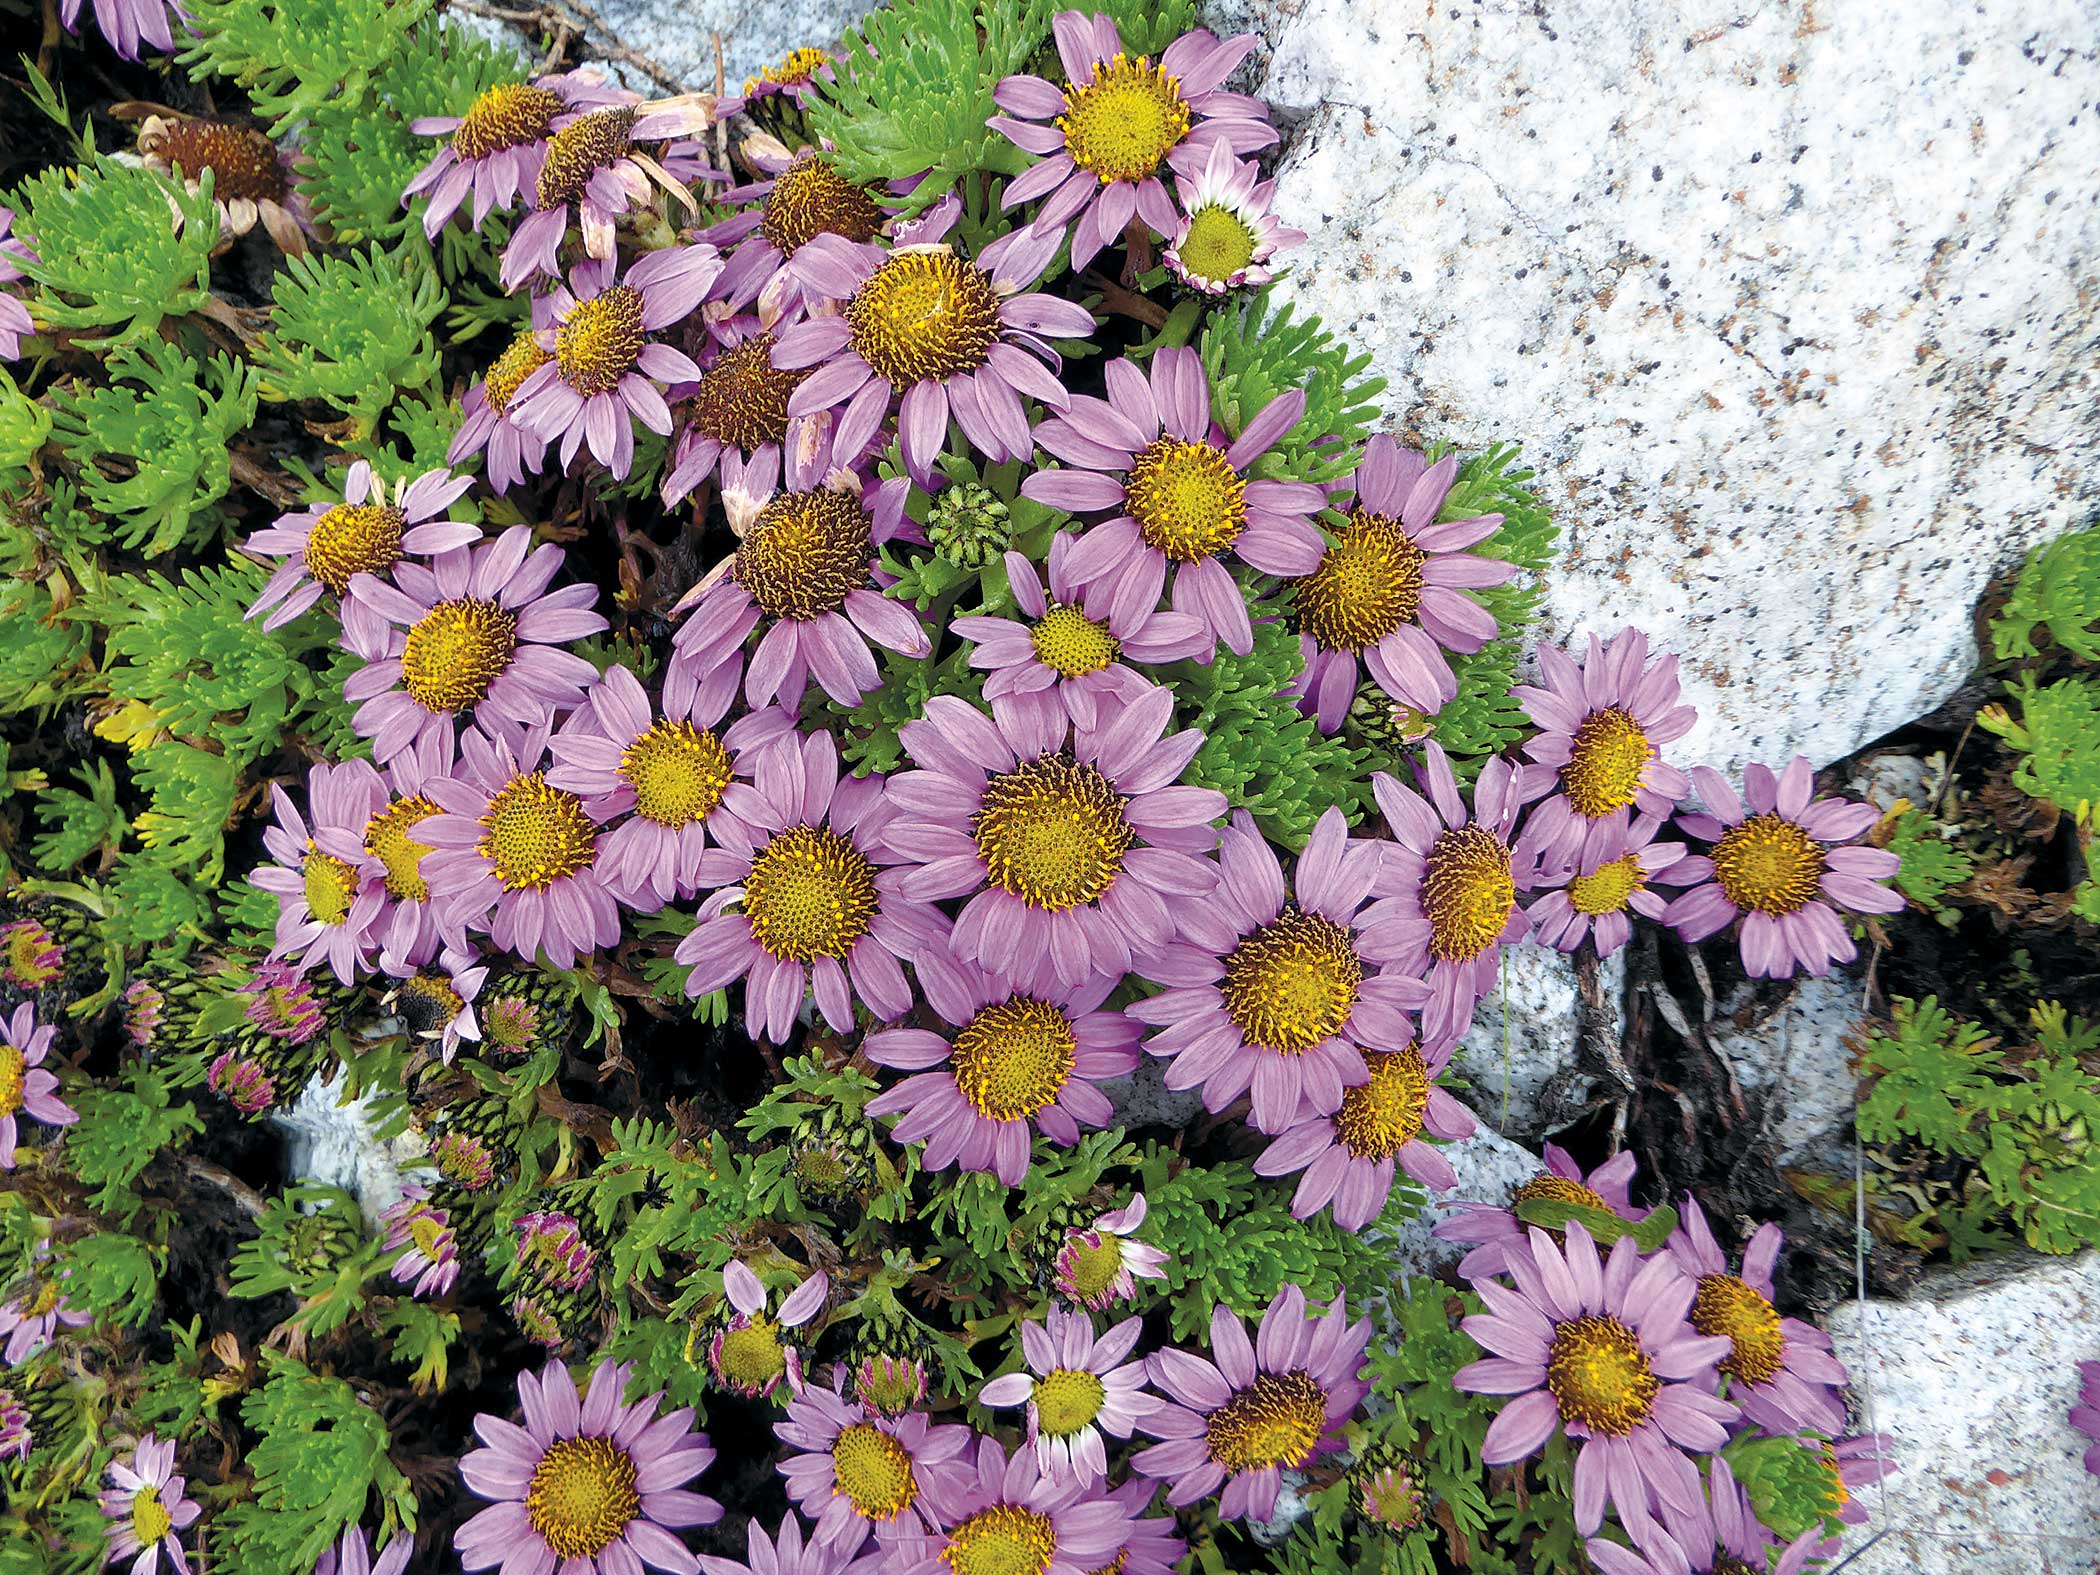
1467	893
579	150
1013	1057
810	894
243	162
1768	865
455	651
1219	243
33	957
601	341
426	1233
14	1076
1070	643
464	1160
1558	1189
1380	1118
874	1471
387	839
45	1296
1068	1400
1368	584
678	773
752	1356
534	835
1609	887
582	1495
743	399
804	553
331	886
1093	1267
433	997
506	116
1599	1375
1606	762
352	539
1275	1421
1188	501
1292	983
1726	1306
1124	122
1052	833
924	315
811	198
796	67
520	359
1003	1540
1116	1565
150	1520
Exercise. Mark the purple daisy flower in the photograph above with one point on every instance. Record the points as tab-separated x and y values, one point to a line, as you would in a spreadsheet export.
514	855
1602	727
1099	1266
1116	121
1391	590
1076	857
1274	990
670	771
857	1473
800	858
1155	1546
1782	1372
806	568
971	359
15	322
34	1314
146	1508
1498	1232
799	196
606	372
17	1435
590	1486
1018	1062
1721	1536
2085	1416
1599	1350
30	955
1071	651
282	1004
747	1355
783	1553
488	414
1450	881
254	180
1348	1156
1613	867
1258	1407
240	1079
1009	1514
145	1010
495	150
25	1087
429	1247
1228	229
367	533
1179	491
736	421
353	1555
437	1001
326	907
124	25
393	855
551	1245
1076	1386
1778	863
794	76
476	630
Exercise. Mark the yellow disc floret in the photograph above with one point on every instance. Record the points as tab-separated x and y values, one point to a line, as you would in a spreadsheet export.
1123	122
1381	1117
1467	893
352	539
1291	984
1600	1376
1070	643
1218	245
582	1495
601	342
1768	865
678	772
924	314
387	839
1368	584
811	198
534	835
1275	1421
1003	1540
455	651
1606	763
743	399
508	115
331	886
873	1471
810	894
805	553
520	359
1609	887
1013	1058
1052	833
579	150
1734	1310
1067	1400
1188	501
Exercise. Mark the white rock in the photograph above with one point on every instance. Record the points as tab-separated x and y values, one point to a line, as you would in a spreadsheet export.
1519	1055
1973	1382
1489	1167
1144	1100
333	1142
678	35
1795	1056
1792	307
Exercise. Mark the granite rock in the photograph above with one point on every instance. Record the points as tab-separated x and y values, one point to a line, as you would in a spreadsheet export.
679	35
1489	1167
1520	1054
1793	1057
328	1140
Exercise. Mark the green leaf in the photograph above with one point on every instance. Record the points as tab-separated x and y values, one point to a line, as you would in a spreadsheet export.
293	56
105	252
2059	587
120	1132
354	331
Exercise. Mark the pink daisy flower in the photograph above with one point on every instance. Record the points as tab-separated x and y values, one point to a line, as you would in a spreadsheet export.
1071	651
1228	230
859	1474
476	630
736	420
1181	492
1602	727
146	1507
124	25
794	77
489	414
429	1247
1391	589
1155	1546
1099	1266
495	150
407	927
1258	1407
800	196
799	858
436	1000
353	1555
1077	1385
970	359
30	955
1017	1063
1009	1514
15	322
551	1247
806	569
26	1088
1780	865
1450	881
327	910
747	1355
515	856
1497	1233
367	533
1614	866
1599	1350
35	1313
667	774
1272	991
1076	854
1722	1535
589	1486
784	1553
17	1435
1117	121
282	1003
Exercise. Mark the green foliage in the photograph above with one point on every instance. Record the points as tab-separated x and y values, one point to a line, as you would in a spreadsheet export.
294	55
1255	356
169	422
2059	587
107	254
112	1276
81	824
354	331
41	651
1147	26
2058	736
2041	1163
1604	1226
24	425
1927	1078
312	1245
1789	1482
1931	860
120	1132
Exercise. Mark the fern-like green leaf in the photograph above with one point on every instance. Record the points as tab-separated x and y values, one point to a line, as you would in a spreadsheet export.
2058	587
117	246
354	331
1929	1078
293	56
